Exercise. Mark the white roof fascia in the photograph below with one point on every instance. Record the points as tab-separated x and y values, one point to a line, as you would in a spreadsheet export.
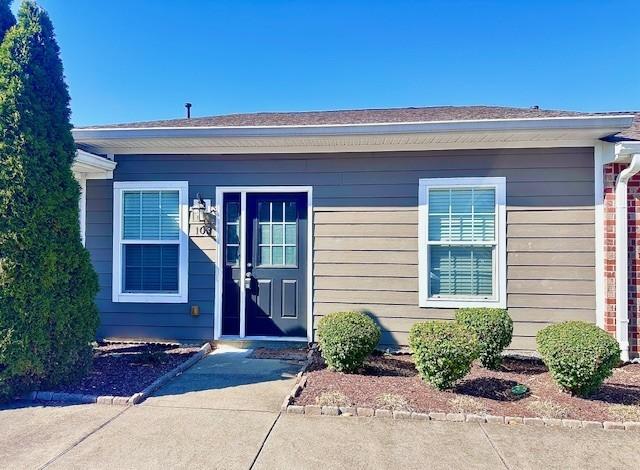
607	123
92	166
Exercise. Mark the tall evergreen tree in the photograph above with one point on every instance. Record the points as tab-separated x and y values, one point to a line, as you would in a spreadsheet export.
7	19
47	284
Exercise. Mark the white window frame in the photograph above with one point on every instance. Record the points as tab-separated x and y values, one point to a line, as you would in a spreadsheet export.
118	295
499	300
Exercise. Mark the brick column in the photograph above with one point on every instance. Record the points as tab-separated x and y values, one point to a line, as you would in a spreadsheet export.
634	265
611	172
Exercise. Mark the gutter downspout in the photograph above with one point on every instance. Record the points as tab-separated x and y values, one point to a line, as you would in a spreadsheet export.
622	256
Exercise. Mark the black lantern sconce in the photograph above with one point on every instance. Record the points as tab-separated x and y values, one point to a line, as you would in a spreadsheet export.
204	215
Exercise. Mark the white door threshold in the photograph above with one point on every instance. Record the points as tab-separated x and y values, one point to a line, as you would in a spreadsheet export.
290	339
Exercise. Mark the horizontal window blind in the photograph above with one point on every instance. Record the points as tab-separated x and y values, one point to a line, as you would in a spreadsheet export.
151	242
151	268
461	271
462	237
458	215
151	215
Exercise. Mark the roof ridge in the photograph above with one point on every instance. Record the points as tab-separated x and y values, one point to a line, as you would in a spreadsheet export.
393	108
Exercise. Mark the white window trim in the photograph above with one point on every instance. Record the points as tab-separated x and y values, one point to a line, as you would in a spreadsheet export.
183	272
500	279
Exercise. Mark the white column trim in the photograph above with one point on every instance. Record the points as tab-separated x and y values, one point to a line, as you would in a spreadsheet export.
82	203
243	263
603	153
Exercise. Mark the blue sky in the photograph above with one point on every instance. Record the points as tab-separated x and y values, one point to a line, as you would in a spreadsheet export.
129	60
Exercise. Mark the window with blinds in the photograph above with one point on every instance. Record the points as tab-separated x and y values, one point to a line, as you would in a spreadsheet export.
150	241
461	241
463	237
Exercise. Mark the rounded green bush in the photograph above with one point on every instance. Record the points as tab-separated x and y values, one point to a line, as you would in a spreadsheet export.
494	329
346	339
579	355
442	351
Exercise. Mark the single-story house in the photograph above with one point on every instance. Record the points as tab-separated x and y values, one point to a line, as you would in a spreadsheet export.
256	225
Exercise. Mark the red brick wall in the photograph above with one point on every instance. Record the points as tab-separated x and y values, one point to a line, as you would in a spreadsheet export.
634	264
611	171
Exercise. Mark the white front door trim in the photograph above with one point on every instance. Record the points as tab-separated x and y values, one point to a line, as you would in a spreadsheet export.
244	190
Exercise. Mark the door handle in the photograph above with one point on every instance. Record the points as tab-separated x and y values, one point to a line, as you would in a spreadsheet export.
247	280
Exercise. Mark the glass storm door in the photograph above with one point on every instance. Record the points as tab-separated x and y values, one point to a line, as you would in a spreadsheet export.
276	256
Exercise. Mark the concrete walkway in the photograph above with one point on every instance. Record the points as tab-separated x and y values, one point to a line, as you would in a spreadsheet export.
223	413
229	379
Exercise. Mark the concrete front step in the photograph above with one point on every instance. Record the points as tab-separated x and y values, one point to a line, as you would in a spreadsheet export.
254	344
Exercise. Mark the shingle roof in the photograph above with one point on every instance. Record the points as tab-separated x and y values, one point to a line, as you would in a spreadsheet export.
368	116
632	133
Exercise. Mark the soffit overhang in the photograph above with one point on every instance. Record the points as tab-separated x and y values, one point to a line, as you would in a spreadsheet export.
440	135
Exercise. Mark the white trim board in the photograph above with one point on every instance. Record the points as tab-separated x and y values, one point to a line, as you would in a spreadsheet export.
534	124
575	131
243	262
244	190
624	151
183	291
92	166
500	259
603	154
341	144
292	339
87	166
82	207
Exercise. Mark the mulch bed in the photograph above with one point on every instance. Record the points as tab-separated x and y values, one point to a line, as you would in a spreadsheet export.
391	381
125	369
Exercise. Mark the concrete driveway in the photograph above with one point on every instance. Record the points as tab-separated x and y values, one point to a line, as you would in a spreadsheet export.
223	413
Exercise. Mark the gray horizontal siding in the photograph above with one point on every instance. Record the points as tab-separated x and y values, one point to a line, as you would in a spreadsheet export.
138	320
365	233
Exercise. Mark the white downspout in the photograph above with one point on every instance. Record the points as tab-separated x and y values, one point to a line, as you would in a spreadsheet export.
622	256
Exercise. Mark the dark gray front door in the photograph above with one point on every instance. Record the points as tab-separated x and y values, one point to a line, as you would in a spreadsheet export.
276	254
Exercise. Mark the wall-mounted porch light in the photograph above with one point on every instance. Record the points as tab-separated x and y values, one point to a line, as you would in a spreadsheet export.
204	214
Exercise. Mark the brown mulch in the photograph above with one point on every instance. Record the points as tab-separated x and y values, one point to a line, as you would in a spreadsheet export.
286	354
482	391
125	369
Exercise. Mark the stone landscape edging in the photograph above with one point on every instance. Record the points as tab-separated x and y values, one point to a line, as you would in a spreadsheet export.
301	381
316	410
349	411
163	379
81	399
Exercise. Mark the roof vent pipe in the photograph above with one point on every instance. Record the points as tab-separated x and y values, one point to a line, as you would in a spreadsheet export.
188	106
622	256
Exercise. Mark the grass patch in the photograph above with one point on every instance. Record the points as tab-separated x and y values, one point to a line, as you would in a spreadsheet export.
624	412
548	409
333	398
393	402
464	404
